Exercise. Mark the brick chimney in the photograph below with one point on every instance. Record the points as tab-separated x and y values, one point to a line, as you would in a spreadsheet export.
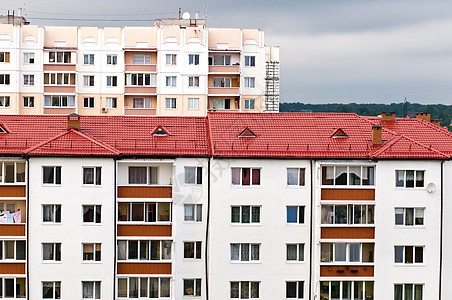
376	135
423	116
436	122
388	116
73	121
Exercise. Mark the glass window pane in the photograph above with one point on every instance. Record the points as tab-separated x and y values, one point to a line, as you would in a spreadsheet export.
292	252
292	214
340	252
164	211
398	253
291	290
235	251
354	249
235	214
245	214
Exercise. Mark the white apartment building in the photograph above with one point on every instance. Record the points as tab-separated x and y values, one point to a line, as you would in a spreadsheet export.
221	207
179	67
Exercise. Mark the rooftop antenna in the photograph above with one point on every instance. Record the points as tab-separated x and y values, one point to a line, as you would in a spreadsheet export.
405	108
179	12
205	10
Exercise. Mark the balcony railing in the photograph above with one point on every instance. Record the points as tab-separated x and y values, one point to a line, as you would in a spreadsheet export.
224	69
140	111
131	191
235	91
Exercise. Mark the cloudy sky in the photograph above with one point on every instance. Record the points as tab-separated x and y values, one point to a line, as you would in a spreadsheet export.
331	50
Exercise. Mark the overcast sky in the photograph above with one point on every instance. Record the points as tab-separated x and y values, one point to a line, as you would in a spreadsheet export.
331	50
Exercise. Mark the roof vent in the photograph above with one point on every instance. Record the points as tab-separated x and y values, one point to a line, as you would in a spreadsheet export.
247	133
339	134
423	116
3	129
73	121
388	116
160	131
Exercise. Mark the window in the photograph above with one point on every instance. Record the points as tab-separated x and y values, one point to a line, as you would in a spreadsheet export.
4	101
92	252
250	61
51	175
347	175
409	178
92	175
29	58
51	251
351	214
409	254
4	79
170	103
112	81
143	175
112	102
249	104
91	289
192	287
346	252
245	252
193	59
143	287
408	291
171	59
112	59
141	102
192	250
409	216
59	101
193	81
92	213
12	288
59	78
51	213
193	212
246	176
245	214
144	250
141	59
294	289
88	102
193	103
193	175
12	172
221	103
51	289
171	81
295	252
221	60
88	59
221	82
350	290
244	289
295	214
12	250
29	101
141	79
60	57
296	176
249	82
144	211
88	80
29	79
5	57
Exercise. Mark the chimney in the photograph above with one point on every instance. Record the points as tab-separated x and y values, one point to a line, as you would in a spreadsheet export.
388	116
423	116
376	135
73	121
436	122
197	15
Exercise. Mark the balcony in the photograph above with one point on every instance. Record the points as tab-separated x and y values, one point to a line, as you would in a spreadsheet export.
140	111
347	233
59	89
141	68
59	110
140	90
60	67
150	229
234	69
346	271
131	191
144	268
227	91
12	229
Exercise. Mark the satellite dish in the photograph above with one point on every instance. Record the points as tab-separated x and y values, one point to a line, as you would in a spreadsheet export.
186	16
431	187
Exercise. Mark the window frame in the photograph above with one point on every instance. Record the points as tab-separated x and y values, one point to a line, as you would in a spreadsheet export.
88	102
130	205
332	245
112	81
56	254
3	251
250	82
29	79
171	59
196	282
5	79
250	60
240	291
148	285
350	214
299	286
298	258
193	81
5	101
29	58
241	214
66	55
197	212
149	179
298	220
60	79
5	57
95	181
15	286
88	59
148	243
413	255
193	103
171	81
54	214
251	170
141	59
55	295
222	82
415	184
61	98
95	253
193	59
249	104
111	102
55	176
170	103
88	80
28	101
413	290
197	179
94	285
197	249
95	221
3	171
299	171
113	58
414	217
348	185
241	251
352	282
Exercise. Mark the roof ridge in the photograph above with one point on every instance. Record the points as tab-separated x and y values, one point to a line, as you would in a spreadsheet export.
375	123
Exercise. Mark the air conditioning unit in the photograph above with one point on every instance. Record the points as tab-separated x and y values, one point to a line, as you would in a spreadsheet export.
104	109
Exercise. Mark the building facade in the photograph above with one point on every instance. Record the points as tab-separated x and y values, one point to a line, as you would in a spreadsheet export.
222	207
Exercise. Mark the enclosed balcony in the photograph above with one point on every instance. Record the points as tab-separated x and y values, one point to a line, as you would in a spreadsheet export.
140	105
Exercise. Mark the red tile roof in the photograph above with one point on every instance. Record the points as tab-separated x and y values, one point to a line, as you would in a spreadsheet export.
282	135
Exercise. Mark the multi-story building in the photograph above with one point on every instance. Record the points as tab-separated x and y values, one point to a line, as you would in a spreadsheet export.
228	206
178	67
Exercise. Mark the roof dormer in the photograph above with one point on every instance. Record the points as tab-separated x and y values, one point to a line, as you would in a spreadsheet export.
247	133
339	134
160	131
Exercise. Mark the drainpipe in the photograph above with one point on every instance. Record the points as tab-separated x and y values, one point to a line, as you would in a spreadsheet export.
27	227
441	231
115	228
311	228
207	230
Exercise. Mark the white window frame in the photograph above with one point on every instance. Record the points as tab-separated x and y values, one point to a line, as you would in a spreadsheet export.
193	103
149	179
403	262
5	79
148	282
70	101
222	60
112	59
5	57
298	217
250	61
29	80
197	213
193	81
146	79
250	82
55	177
413	291
145	101
141	59
249	104
112	102
145	216
88	102
112	81
64	55
415	186
3	172
96	169
299	171
347	253
149	250
88	59
171	81
196	282
297	294
240	284
222	82
250	217
88	80
54	77
56	248
242	249
350	214
28	101
53	213
15	279
4	101
197	179
348	175
29	58
404	214
95	221
3	253
170	103
94	284
193	59
300	247
55	295
171	60
251	176
363	284
197	249
95	248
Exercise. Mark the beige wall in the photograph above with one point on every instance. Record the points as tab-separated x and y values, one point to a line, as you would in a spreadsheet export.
258	103
38	104
13	105
162	111
250	34
134	35
88	32
129	57
128	100
8	30
171	32
202	111
225	36
113	32
28	30
194	32
60	34
99	102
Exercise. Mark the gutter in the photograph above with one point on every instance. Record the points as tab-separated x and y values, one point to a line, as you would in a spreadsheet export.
115	227
27	209
207	230
311	229
441	232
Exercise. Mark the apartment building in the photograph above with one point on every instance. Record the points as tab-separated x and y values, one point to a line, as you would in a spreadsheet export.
179	67
228	206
